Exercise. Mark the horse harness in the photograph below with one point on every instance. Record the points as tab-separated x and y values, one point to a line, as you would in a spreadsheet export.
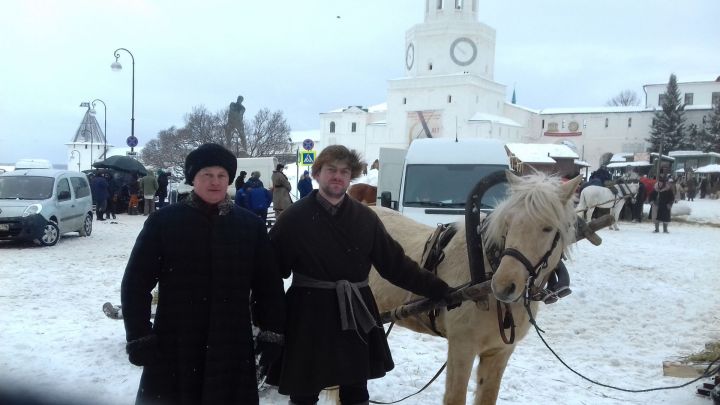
433	254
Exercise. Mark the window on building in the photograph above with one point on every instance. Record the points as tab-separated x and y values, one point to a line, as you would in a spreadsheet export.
474	5
85	146
332	127
429	66
629	122
353	127
688	98
427	5
661	99
607	122
563	123
449	98
552	127
458	4
439	4
584	124
404	100
543	124
716	97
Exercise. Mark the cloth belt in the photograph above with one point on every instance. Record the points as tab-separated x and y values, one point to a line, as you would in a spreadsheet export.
350	315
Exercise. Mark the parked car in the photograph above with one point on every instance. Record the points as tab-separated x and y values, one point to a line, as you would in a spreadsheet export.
40	205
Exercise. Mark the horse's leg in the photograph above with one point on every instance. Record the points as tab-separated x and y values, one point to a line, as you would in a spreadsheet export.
589	213
489	374
461	354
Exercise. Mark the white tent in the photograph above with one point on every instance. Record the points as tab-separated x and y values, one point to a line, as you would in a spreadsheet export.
714	168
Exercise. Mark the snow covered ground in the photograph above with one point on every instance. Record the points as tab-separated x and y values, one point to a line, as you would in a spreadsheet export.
638	299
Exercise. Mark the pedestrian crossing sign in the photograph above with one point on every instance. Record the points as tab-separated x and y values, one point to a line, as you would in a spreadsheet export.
307	158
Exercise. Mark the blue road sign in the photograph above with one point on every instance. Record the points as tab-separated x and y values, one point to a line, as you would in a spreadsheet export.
308	144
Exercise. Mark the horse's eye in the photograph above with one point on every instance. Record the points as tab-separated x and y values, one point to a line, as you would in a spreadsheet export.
547	229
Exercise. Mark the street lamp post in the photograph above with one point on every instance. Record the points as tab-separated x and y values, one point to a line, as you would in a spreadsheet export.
116	66
71	155
105	122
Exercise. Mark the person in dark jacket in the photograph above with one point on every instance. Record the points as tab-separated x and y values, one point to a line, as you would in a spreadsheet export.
162	191
638	203
305	184
99	189
114	188
206	255
661	200
257	197
240	181
335	338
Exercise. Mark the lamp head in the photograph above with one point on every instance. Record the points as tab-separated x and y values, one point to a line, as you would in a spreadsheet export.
116	66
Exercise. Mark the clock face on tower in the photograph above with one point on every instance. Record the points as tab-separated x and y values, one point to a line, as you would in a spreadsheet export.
463	51
410	56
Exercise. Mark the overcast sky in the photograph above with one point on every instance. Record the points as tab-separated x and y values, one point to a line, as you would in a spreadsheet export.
299	57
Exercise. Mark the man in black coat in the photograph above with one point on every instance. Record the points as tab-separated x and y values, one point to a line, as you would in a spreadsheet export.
206	255
329	242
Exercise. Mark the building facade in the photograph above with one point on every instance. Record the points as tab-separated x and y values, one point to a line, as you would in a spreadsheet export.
449	91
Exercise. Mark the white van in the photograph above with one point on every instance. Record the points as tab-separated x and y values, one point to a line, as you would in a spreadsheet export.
41	204
430	182
33	164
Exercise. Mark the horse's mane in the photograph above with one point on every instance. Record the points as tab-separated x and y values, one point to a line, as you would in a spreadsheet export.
538	197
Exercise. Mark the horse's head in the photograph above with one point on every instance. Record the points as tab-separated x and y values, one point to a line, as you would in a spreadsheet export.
535	224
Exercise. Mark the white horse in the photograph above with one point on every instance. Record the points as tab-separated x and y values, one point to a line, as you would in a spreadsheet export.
603	197
537	221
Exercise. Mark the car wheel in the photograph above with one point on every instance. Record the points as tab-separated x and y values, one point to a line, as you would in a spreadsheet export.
51	235
86	229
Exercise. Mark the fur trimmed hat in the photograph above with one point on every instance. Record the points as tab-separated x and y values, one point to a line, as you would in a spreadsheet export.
206	155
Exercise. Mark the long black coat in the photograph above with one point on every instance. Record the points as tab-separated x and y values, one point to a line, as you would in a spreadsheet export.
205	266
662	203
309	241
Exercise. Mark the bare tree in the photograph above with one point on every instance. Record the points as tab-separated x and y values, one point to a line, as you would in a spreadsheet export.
625	97
268	134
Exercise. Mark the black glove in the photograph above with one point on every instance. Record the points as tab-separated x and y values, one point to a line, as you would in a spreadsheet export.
143	351
269	348
447	299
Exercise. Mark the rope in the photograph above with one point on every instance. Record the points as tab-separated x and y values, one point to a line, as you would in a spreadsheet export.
709	370
415	393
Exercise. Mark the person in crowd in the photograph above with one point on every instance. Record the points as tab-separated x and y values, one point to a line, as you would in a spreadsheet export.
649	186
638	203
257	197
280	190
149	186
661	200
703	187
305	184
162	190
240	181
334	339
206	255
133	189
691	187
100	191
603	175
114	188
630	175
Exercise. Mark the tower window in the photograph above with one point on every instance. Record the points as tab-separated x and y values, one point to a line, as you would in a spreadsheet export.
458	4
439	4
543	124
332	127
404	100
607	122
629	122
353	127
584	123
474	5
429	66
563	123
449	99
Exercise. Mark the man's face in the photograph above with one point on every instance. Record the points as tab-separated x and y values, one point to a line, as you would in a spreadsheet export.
211	184
334	179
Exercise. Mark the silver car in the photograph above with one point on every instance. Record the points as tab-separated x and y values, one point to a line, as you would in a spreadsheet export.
41	204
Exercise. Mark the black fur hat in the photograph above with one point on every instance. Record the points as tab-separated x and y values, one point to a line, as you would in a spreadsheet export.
209	154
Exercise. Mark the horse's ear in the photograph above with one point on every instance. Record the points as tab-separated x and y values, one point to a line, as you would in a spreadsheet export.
512	178
568	189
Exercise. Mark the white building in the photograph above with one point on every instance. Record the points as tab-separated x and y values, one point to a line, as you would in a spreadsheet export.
449	91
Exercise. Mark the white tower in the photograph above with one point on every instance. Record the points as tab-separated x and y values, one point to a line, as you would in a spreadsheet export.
87	145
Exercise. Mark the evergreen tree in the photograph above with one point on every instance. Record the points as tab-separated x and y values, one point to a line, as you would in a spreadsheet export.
697	139
713	129
668	125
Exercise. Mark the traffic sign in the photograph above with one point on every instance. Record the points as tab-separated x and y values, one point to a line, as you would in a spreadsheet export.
307	158
308	144
131	141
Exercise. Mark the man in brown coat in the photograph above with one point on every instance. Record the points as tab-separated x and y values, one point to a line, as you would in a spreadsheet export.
281	190
329	242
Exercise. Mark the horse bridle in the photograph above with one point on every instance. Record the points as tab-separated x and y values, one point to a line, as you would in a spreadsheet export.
535	270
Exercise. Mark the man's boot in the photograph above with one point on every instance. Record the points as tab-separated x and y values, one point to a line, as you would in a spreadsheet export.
657	227
665	227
